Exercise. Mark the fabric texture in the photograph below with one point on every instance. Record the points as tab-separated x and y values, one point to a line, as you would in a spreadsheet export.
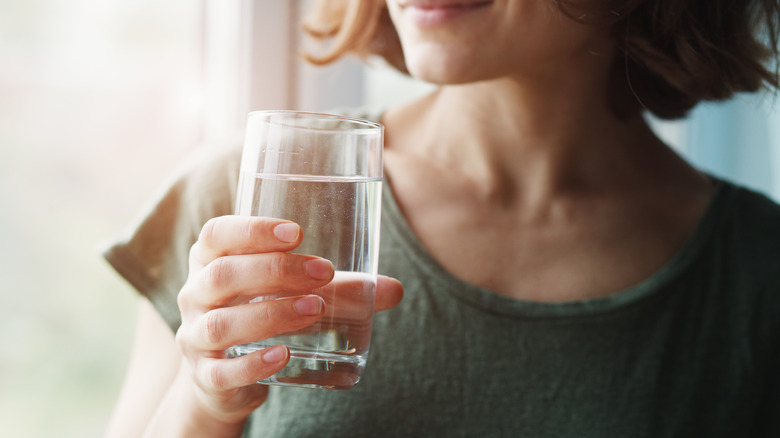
694	350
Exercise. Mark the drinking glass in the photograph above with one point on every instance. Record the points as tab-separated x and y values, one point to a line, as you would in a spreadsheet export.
323	172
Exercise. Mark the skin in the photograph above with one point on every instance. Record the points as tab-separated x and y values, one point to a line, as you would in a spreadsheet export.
551	196
208	395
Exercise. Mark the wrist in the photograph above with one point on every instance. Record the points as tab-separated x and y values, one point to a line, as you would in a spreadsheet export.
184	413
201	413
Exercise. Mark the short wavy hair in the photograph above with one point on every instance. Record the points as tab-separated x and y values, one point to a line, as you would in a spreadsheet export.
672	54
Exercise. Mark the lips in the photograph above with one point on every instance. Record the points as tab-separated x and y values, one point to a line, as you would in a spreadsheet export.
431	13
433	4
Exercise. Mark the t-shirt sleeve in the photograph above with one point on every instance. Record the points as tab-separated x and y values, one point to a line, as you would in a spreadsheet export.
153	254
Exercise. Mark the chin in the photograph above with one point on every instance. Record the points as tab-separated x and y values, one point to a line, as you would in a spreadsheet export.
439	68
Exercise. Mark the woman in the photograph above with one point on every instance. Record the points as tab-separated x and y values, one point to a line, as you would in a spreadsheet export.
565	273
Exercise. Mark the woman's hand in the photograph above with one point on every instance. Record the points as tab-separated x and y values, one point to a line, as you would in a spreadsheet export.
235	258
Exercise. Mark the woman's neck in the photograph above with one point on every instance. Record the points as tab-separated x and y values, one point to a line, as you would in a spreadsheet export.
498	182
537	140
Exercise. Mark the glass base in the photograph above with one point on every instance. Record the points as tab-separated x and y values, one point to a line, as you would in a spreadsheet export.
312	370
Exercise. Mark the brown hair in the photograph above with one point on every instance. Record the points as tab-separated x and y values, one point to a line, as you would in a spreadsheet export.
673	53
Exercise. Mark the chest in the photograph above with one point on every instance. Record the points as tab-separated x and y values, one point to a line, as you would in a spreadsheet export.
567	251
442	368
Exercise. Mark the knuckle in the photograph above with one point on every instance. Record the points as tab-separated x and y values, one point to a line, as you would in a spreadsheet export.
255	230
183	298
268	312
277	268
279	317
179	337
182	341
209	231
215	327
214	376
194	254
218	273
244	373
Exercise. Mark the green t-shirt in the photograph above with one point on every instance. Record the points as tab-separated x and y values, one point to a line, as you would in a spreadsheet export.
693	351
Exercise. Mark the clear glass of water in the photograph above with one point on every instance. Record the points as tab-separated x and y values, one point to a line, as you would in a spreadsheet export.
323	172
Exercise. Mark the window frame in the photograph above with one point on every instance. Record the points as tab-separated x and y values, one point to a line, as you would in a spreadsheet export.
252	62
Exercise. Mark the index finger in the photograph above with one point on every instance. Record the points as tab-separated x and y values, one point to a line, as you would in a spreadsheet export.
237	235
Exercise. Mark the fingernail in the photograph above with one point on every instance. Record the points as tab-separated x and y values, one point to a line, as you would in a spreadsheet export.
286	232
319	269
275	354
308	306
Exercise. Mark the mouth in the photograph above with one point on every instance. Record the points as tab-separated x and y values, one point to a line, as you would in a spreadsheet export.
432	13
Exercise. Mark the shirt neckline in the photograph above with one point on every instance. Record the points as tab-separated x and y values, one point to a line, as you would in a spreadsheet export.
487	300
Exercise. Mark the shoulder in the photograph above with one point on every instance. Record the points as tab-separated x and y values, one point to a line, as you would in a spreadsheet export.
204	184
214	164
753	227
754	235
748	250
153	251
748	237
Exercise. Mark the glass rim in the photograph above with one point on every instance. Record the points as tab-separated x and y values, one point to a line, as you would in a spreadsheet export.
368	126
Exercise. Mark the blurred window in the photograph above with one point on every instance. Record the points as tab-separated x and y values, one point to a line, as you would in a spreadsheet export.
100	98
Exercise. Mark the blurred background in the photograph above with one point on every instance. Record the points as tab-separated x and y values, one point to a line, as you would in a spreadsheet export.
98	99
98	102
